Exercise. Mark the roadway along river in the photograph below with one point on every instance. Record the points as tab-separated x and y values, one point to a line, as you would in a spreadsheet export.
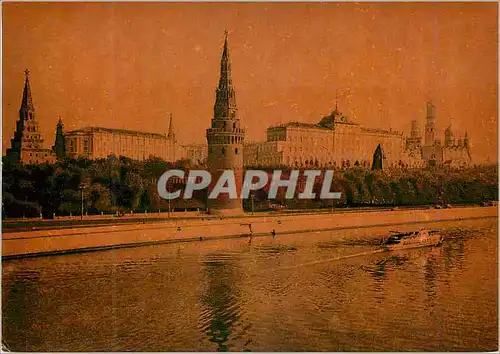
326	291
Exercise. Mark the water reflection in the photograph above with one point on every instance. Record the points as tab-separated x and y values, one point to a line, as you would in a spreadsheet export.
221	299
453	250
17	303
430	274
379	271
312	292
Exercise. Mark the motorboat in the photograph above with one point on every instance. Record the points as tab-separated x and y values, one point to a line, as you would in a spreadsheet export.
414	239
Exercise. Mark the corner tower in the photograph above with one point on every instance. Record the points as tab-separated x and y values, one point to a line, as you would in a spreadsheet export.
225	139
27	144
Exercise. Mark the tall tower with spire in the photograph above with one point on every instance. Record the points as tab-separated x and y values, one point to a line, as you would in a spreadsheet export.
27	144
171	142
225	138
59	147
171	133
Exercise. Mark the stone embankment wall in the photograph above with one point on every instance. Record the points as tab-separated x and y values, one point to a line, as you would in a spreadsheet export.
46	242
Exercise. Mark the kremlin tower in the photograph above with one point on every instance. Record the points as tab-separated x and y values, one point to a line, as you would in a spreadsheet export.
225	139
27	144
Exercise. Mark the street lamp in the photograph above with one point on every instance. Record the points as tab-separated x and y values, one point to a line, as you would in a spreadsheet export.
252	197
333	131
333	141
82	186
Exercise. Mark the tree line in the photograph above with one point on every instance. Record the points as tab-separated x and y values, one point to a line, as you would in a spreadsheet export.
119	184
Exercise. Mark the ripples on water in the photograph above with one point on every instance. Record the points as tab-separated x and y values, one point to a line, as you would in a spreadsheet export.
307	292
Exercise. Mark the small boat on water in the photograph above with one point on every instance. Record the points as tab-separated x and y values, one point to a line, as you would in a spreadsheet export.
414	239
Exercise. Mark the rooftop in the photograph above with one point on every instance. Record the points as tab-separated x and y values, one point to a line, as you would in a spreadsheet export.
382	131
325	122
116	131
299	125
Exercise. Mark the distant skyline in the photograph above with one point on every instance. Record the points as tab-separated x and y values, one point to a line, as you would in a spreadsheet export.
128	65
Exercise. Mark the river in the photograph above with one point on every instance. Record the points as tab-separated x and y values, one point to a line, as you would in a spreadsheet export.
325	291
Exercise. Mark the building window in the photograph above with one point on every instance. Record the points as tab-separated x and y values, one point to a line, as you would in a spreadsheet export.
236	151
223	151
86	146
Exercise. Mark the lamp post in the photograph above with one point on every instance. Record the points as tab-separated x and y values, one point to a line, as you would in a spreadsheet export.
82	186
333	141
252	197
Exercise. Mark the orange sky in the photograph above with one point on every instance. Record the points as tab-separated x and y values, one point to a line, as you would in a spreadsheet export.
125	65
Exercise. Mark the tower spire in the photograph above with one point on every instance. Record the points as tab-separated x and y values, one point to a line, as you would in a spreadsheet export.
27	102
225	52
59	147
225	102
171	134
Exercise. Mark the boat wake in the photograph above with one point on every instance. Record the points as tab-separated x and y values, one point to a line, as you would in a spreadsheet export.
334	259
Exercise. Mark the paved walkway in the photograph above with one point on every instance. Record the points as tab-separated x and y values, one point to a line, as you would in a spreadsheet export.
33	224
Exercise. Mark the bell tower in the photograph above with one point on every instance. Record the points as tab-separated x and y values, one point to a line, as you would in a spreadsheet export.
430	129
225	139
